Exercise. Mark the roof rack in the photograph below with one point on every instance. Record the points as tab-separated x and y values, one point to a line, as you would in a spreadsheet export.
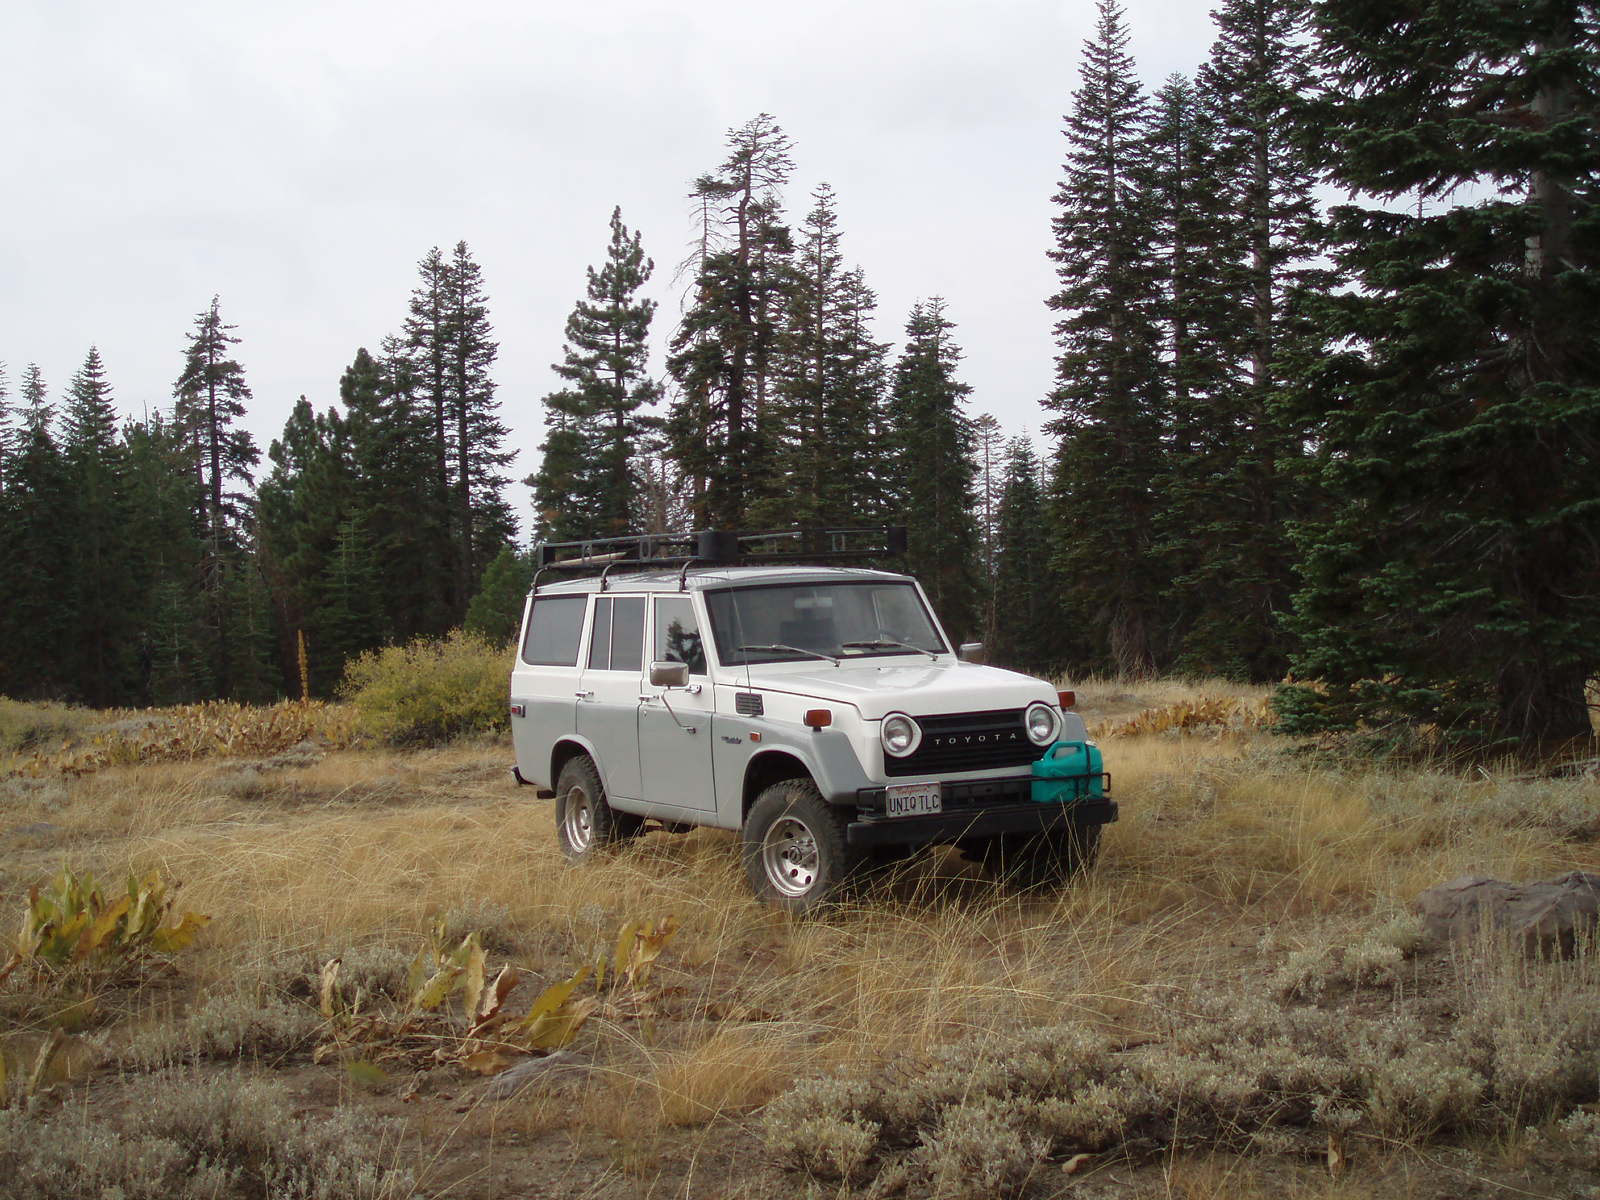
717	548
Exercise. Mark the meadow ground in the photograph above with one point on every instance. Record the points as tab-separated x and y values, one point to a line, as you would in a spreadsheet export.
1231	1004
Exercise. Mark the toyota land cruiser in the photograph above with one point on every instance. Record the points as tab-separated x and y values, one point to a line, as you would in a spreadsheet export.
819	710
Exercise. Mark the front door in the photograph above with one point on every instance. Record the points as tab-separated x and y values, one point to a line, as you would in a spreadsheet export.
609	691
675	741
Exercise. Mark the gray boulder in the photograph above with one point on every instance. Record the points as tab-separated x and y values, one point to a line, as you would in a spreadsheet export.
1548	917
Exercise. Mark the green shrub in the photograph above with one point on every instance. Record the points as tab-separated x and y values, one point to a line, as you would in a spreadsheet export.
430	690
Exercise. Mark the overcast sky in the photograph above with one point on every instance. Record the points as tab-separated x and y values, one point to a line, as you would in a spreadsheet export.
297	159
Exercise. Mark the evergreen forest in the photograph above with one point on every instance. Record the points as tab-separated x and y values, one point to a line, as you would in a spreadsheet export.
1326	409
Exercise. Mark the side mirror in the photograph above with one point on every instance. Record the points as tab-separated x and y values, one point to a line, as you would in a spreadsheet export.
669	674
973	652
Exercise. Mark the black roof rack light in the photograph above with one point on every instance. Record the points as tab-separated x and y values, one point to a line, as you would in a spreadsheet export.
717	548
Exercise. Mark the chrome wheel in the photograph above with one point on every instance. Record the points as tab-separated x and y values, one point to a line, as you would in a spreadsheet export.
789	856
578	820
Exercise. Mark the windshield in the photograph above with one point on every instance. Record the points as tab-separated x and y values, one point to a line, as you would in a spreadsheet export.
796	621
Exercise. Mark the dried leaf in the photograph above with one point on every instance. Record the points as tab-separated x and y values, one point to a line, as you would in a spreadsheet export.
647	947
177	937
622	956
41	1064
1337	1161
330	986
472	980
553	1030
494	997
97	932
433	992
491	1062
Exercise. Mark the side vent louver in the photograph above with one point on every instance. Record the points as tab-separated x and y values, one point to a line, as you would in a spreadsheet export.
748	704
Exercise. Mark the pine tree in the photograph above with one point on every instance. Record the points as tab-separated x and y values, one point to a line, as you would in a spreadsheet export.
169	645
1024	634
449	352
1266	234
932	470
1108	398
210	395
496	611
483	523
1455	580
35	545
724	356
96	582
304	509
585	483
395	503
831	385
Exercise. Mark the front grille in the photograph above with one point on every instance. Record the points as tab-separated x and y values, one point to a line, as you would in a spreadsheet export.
979	741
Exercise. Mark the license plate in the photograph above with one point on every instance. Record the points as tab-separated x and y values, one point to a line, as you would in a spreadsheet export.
912	799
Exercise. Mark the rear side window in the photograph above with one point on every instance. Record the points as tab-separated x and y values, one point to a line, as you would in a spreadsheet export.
617	642
554	627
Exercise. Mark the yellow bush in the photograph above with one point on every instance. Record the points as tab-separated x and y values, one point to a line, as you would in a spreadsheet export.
189	732
430	690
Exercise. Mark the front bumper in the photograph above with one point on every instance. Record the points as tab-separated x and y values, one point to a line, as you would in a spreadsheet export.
978	808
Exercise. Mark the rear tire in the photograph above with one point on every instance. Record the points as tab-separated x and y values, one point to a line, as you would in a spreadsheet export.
794	848
586	826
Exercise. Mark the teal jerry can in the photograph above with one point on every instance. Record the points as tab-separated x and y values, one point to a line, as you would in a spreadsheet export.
1069	771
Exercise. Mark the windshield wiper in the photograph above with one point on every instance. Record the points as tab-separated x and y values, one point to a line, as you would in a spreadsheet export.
891	644
791	650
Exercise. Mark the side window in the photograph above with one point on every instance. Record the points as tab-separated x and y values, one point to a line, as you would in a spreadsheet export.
627	634
600	636
554	626
678	634
616	641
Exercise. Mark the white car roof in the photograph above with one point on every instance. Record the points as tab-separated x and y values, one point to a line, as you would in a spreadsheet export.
700	579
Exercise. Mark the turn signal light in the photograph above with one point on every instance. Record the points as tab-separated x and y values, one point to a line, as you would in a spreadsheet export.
1068	699
818	718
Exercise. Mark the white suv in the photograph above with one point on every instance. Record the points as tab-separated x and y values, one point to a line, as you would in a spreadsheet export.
819	711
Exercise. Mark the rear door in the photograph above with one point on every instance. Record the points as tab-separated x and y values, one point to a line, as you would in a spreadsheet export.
609	689
675	724
544	680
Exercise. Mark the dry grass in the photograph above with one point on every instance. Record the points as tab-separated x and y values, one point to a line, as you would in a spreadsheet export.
1229	858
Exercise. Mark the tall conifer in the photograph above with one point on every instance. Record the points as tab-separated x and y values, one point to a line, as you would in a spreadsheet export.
97	572
585	485
1108	398
1455	580
724	356
831	385
35	546
931	470
210	395
1025	634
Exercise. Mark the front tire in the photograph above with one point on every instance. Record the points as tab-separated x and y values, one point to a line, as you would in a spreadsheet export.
585	824
794	848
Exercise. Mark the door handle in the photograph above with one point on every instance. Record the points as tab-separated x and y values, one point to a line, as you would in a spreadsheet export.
647	699
584	695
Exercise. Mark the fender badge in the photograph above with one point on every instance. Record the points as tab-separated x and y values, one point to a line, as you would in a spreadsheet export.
732	741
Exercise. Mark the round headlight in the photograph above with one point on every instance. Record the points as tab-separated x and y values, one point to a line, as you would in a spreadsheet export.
900	735
1042	723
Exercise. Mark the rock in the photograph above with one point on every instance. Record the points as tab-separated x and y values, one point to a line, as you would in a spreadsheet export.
1548	917
563	1065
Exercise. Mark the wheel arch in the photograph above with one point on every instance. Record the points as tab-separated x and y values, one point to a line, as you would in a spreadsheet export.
767	768
569	748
